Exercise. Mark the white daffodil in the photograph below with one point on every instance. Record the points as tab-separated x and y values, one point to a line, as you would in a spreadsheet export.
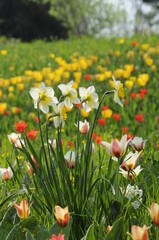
119	92
116	149
13	137
130	161
69	93
132	174
137	143
70	159
83	127
44	96
89	98
60	114
5	174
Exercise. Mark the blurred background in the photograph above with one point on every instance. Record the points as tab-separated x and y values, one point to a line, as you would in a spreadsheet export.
54	19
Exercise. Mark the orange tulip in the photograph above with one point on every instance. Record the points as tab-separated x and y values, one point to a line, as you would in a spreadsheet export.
23	210
138	233
61	215
154	213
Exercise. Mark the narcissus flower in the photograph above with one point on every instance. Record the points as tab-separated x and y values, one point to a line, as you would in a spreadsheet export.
44	96
59	237
83	127
117	148
61	215
23	210
119	92
60	114
154	213
130	161
137	143
21	127
69	93
89	98
138	233
5	174
13	137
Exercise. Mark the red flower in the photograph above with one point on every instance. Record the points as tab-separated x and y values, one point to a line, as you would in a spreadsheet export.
116	117
101	122
139	118
6	113
134	44
77	105
21	127
142	95
98	140
70	144
125	130
87	77
133	96
37	119
128	136
143	90
105	108
126	102
32	135
59	237
18	110
94	136
158	119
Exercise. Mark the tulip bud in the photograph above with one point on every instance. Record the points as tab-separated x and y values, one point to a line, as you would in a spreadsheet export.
138	233
154	213
61	215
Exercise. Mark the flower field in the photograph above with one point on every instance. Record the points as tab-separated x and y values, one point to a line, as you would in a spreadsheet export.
79	139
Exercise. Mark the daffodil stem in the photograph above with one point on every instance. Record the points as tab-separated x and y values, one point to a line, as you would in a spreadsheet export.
90	139
42	140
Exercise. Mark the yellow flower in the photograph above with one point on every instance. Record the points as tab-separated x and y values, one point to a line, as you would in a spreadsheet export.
100	77
77	76
28	73
11	89
153	68
107	113
52	55
6	83
84	114
13	81
142	79
10	96
3	52
108	74
129	68
145	47
3	107
149	61
20	86
75	85
126	74
66	75
129	84
0	94
117	54
11	69
121	41
133	79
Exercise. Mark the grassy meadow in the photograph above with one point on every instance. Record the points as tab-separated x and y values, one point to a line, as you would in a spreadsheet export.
98	158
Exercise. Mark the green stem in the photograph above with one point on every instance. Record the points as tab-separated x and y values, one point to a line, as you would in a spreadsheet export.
157	233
